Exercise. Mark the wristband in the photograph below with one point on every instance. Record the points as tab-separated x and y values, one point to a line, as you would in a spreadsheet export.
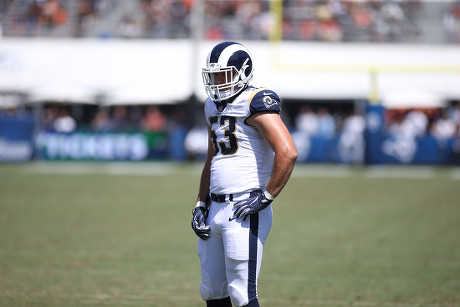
268	195
200	204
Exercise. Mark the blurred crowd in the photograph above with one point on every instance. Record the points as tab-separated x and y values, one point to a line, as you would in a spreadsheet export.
50	17
120	118
311	123
309	120
325	20
305	20
441	124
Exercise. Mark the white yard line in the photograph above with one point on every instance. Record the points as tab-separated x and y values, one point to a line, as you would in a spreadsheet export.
376	172
305	170
83	168
300	171
401	172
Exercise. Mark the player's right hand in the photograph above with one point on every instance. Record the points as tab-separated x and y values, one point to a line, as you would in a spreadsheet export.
257	202
198	222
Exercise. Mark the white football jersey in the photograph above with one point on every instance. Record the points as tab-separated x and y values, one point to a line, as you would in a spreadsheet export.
243	159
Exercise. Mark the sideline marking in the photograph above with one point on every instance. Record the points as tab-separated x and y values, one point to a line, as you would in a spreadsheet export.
300	170
111	168
376	172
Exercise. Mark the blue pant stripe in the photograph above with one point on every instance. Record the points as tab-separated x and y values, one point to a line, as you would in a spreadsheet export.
252	269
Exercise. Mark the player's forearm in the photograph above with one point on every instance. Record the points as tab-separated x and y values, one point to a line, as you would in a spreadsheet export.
282	169
204	181
206	173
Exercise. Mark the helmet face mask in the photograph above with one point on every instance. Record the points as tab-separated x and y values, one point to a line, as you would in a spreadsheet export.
221	84
228	71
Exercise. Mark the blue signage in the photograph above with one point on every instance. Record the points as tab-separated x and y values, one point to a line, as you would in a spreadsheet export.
16	138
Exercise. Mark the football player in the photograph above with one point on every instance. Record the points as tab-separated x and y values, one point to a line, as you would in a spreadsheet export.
250	158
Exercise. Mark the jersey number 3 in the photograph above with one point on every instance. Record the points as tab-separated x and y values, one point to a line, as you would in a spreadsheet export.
229	123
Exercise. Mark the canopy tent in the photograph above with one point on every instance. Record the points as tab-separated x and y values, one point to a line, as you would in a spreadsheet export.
168	71
144	92
412	98
9	101
62	93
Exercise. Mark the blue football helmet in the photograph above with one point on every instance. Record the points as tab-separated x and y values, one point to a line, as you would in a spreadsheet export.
228	71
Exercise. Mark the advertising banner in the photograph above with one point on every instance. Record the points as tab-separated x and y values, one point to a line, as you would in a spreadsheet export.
136	146
374	133
16	138
424	150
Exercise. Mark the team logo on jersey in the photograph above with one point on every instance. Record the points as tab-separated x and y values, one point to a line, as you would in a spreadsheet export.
269	102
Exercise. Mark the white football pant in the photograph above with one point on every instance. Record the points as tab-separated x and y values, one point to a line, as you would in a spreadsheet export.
230	259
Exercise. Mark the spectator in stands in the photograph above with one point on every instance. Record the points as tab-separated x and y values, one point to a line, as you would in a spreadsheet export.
456	119
119	119
351	141
135	116
329	29
101	122
249	14
130	28
324	20
158	18
166	19
64	122
408	123
326	123
395	122
218	13
52	13
50	115
196	143
412	10
154	120
456	114
307	121
85	14
362	20
393	15
451	21
299	22
4	5
415	124
444	127
32	17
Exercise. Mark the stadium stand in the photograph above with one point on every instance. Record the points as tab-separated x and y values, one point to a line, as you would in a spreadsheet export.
405	21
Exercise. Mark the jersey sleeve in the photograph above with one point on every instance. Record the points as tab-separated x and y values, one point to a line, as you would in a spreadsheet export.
264	100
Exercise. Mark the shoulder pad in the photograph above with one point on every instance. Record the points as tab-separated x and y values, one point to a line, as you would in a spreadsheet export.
262	100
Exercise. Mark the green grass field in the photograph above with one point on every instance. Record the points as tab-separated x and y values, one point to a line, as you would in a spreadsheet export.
78	234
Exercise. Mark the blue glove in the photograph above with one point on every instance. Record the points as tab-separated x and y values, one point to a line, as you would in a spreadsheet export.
256	202
199	222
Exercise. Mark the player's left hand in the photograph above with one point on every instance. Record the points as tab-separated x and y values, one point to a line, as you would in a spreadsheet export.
244	208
